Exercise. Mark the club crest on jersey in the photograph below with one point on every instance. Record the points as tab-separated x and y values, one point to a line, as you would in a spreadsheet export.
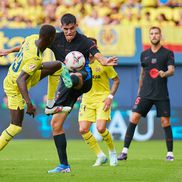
97	69
154	60
32	67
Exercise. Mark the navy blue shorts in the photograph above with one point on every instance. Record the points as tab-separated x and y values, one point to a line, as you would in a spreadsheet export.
143	106
68	96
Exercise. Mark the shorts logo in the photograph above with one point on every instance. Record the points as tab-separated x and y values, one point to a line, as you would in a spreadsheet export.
32	67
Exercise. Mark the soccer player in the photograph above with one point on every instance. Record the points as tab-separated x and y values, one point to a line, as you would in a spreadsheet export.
98	109
25	72
66	41
157	64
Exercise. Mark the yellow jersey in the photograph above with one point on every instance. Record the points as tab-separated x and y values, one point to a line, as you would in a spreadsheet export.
28	59
100	82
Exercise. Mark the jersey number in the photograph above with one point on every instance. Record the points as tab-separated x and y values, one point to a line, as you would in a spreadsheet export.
17	61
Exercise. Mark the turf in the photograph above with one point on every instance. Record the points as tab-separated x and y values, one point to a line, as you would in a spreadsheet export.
29	160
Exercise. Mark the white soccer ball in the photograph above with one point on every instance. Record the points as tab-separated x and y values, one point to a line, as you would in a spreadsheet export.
74	61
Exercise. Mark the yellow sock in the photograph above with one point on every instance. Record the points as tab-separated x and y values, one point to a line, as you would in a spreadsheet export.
8	134
53	81
108	139
92	142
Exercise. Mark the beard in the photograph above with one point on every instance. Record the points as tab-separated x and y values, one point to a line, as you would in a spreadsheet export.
155	42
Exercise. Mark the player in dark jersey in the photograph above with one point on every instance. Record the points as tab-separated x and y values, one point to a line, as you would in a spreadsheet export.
65	42
157	64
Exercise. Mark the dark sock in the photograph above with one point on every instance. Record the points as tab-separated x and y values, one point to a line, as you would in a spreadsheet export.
169	138
60	142
129	134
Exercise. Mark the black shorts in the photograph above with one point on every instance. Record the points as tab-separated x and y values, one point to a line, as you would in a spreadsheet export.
143	106
68	96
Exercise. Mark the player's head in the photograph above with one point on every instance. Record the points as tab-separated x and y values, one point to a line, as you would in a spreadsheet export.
69	26
47	34
155	35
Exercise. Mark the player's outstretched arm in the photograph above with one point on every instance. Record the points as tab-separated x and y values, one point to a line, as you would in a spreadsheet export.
111	61
22	85
5	52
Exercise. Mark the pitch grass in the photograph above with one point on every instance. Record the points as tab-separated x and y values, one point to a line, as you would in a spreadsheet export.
29	160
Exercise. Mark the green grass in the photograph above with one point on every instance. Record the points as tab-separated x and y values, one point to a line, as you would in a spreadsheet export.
29	160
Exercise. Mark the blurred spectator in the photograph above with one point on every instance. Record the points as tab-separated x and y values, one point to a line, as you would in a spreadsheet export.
163	21
50	15
31	13
93	19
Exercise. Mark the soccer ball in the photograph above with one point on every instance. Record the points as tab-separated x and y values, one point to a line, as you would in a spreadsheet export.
74	61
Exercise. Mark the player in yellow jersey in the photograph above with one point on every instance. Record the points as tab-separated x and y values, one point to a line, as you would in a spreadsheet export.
96	106
25	72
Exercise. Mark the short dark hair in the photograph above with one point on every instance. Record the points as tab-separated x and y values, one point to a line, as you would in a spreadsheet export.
67	19
47	31
155	27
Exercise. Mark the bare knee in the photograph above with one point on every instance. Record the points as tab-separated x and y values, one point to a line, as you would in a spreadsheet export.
56	127
165	121
83	130
135	118
84	127
101	129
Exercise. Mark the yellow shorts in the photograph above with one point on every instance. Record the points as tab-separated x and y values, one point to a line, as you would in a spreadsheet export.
93	112
14	96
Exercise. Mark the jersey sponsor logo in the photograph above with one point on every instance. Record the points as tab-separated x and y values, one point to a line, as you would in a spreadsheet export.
96	76
153	73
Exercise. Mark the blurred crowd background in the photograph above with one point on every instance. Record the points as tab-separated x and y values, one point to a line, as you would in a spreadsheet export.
137	13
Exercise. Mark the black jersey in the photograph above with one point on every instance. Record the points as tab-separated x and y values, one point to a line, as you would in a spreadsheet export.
154	87
61	47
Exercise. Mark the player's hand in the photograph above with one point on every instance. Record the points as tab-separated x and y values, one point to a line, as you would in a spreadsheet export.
107	104
31	109
3	52
111	61
162	74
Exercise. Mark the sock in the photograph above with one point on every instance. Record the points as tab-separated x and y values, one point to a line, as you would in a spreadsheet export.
169	138
92	142
108	140
125	150
8	134
170	154
61	144
53	81
129	134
